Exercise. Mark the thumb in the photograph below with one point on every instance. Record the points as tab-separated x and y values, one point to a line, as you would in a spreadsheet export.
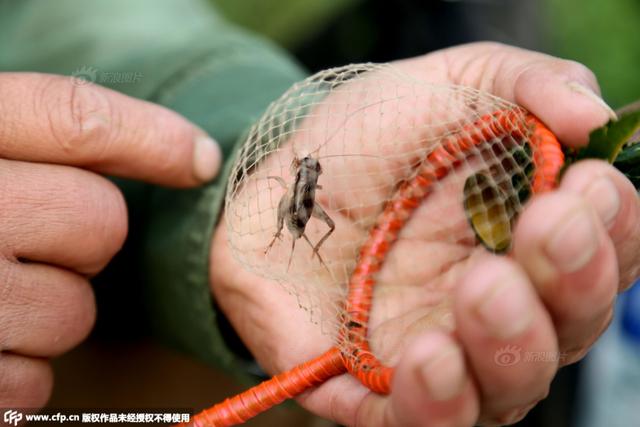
55	119
565	96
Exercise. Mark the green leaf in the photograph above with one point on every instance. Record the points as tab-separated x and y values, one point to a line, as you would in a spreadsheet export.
606	142
629	155
628	162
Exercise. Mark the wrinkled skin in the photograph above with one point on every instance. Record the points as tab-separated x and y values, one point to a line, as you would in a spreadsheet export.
574	252
61	221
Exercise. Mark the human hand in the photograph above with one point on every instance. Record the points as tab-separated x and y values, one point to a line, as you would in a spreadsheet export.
61	222
555	296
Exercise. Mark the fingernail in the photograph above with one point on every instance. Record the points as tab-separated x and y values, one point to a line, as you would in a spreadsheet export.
207	158
573	242
584	90
604	197
505	309
443	373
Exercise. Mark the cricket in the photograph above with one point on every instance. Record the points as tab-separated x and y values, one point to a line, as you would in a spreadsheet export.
298	205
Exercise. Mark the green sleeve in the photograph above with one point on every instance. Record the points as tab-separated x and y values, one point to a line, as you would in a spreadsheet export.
182	55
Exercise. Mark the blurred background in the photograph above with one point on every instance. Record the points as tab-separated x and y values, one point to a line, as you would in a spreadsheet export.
120	367
604	35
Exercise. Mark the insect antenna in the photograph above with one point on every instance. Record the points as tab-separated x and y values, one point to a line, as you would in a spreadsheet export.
350	116
350	155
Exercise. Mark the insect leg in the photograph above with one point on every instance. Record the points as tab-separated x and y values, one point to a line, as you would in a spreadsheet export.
282	212
319	213
293	247
316	252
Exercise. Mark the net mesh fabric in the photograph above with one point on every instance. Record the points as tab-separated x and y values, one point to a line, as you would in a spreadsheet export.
371	128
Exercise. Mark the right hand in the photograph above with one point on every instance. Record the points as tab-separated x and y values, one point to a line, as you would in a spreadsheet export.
575	249
60	221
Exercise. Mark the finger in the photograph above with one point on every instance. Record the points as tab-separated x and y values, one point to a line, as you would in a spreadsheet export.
24	382
563	246
431	387
50	119
503	327
45	311
616	202
563	94
60	215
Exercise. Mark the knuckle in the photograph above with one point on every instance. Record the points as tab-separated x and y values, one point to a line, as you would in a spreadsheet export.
576	71
627	225
24	382
9	299
47	312
98	208
80	119
7	280
110	223
75	316
115	216
40	384
168	151
8	128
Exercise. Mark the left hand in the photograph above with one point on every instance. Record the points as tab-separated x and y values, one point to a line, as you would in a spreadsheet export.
575	250
60	221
